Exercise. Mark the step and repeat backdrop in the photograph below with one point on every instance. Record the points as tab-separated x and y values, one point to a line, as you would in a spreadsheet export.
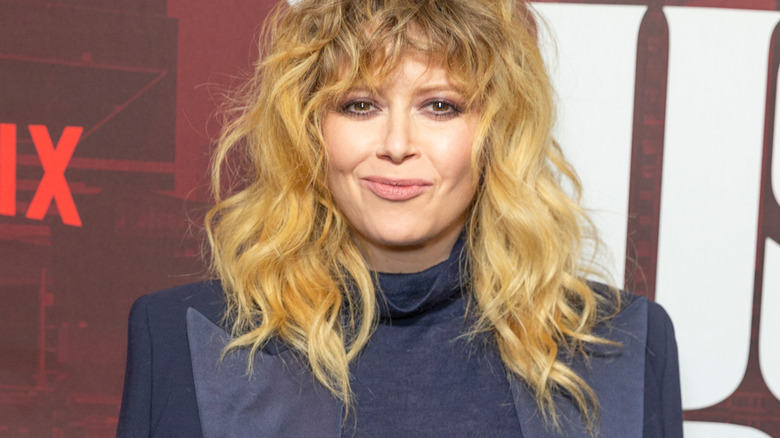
667	109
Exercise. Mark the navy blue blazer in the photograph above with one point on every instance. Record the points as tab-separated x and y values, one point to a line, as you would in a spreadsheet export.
176	386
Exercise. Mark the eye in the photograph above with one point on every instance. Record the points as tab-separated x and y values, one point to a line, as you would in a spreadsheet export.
358	108
442	109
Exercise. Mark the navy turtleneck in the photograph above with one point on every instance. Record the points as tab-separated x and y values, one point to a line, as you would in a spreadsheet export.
419	376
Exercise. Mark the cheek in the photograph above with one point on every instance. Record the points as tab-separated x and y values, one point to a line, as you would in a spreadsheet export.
455	160
337	181
341	166
462	161
336	148
342	145
340	162
330	133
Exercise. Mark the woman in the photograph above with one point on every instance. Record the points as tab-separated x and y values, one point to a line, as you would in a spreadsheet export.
400	258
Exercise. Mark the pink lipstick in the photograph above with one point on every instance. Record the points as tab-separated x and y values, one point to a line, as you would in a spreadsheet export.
395	189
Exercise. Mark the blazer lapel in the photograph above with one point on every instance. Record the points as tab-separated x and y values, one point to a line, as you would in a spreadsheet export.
279	399
617	376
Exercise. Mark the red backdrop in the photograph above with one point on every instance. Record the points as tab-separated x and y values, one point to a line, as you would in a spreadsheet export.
143	79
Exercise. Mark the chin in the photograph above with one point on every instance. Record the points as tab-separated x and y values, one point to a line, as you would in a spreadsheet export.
411	237
401	241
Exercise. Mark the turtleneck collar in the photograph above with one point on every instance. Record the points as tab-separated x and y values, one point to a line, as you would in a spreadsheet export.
406	295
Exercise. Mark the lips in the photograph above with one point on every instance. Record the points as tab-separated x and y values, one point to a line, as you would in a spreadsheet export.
396	189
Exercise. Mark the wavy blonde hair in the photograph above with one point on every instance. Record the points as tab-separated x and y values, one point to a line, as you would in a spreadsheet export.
285	253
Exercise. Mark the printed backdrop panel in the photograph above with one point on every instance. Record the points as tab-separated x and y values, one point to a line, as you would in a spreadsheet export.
700	203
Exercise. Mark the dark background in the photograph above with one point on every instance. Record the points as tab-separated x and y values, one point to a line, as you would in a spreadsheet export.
144	78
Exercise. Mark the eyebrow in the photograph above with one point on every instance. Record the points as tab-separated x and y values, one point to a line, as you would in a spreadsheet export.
425	88
439	86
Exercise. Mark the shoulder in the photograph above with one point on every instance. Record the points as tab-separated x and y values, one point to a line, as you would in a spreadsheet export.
159	391
169	306
649	342
658	322
635	318
663	403
158	321
638	318
631	306
661	343
204	293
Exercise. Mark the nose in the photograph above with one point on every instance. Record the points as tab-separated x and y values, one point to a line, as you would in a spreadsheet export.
398	145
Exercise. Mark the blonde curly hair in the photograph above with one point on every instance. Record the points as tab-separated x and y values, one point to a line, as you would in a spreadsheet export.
283	250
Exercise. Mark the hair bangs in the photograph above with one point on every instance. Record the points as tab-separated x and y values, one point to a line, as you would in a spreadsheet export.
374	37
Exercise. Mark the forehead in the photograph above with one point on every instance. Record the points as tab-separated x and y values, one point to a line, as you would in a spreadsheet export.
413	68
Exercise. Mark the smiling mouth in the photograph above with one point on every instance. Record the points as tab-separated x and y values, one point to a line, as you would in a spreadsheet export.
396	189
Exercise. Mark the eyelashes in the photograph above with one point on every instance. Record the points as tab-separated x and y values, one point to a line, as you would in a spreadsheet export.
438	109
443	108
358	108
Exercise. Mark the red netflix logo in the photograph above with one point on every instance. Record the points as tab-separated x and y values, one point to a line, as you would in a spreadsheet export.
53	185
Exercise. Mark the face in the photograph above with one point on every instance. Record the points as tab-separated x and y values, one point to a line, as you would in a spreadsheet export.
400	165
